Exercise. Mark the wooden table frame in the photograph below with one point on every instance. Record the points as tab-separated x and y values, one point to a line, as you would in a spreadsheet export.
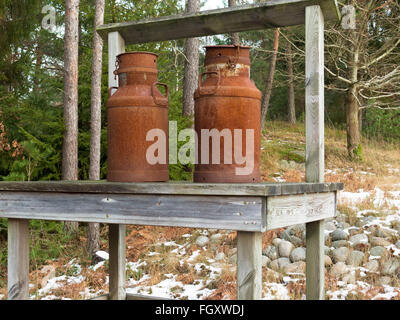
249	209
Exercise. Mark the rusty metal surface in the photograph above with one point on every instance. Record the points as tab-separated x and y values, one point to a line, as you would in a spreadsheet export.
227	99
135	108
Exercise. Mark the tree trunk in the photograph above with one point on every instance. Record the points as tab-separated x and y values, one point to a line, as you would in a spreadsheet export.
191	73
95	124
353	133
291	101
234	36
270	79
70	144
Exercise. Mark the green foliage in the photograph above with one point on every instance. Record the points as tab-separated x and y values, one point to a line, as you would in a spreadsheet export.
382	124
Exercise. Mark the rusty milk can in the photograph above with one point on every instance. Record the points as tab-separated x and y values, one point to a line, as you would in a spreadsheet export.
133	110
227	100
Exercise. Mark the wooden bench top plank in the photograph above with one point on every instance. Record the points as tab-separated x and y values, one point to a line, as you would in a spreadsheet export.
271	14
171	188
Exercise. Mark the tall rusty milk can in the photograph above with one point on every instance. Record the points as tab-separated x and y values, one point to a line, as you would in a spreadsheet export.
227	100
133	110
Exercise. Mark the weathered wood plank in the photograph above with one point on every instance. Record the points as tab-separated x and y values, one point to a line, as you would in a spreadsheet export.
222	212
315	144
269	14
117	263
249	268
171	188
284	211
18	259
117	243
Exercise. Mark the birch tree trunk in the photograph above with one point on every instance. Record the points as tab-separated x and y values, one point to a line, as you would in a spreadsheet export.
291	101
95	122
191	72
70	143
234	36
270	79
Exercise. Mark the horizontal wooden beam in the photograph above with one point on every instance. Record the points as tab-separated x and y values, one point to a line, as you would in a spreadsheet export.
271	14
284	211
219	212
171	188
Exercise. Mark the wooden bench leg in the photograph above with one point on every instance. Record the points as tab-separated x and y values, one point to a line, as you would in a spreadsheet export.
18	259
117	270
249	268
315	265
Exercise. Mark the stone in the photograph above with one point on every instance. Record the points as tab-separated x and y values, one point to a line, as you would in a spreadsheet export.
265	261
216	238
326	250
329	226
233	259
271	252
295	267
358	239
220	256
276	242
378	251
296	241
201	241
285	248
372	266
377	241
285	235
338	234
338	269
327	261
385	281
355	258
390	266
339	243
50	273
297	229
298	254
345	225
381	233
279	264
340	254
349	278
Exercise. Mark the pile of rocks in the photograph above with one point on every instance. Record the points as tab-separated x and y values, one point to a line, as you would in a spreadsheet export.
365	247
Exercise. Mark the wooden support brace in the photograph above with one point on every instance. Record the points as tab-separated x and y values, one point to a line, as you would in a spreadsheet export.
117	270
18	259
117	243
249	268
315	145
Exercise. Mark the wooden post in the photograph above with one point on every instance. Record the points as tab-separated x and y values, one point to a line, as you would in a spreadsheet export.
315	145
117	243
117	271
249	269
18	259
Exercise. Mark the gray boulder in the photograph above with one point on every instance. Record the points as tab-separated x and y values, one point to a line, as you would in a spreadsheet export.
355	258
338	234
298	254
358	239
285	248
340	254
279	264
271	252
390	267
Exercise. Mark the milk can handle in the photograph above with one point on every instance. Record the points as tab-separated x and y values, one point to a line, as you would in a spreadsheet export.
212	91
109	90
157	100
